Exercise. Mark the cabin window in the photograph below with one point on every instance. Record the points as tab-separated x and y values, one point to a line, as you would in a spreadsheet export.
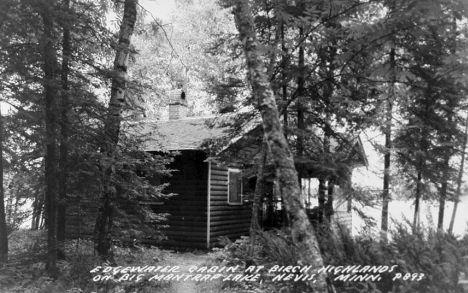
235	186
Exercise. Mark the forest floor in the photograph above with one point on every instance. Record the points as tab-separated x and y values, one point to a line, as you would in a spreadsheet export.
25	272
185	261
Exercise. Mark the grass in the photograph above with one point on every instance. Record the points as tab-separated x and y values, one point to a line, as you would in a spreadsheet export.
25	272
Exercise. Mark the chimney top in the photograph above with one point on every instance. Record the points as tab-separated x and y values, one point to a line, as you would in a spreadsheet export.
177	104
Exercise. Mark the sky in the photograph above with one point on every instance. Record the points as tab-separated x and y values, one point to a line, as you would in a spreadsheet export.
161	9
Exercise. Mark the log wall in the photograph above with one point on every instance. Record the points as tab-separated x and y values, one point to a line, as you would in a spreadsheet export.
227	220
80	218
187	209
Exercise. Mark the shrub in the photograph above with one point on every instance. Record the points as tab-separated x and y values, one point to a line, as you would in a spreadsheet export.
435	254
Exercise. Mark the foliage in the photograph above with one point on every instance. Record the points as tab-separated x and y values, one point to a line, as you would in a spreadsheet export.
415	250
25	270
173	53
88	75
271	248
433	253
237	252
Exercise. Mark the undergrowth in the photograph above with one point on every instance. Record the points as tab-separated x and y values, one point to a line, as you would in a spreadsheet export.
438	257
441	257
25	271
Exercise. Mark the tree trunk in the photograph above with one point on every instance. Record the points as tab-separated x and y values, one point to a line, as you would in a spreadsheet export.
51	165
418	198
388	147
104	221
300	101
62	204
284	86
328	212
3	227
322	192
386	177
284	64
388	139
424	146
445	175
38	207
328	67
443	194
258	195
15	213
301	229
459	180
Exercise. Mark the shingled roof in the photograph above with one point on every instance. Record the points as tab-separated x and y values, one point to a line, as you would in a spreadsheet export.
191	133
183	134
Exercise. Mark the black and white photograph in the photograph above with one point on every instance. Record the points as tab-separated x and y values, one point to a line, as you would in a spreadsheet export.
257	146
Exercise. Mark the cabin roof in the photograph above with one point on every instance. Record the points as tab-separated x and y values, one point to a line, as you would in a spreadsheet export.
191	133
183	134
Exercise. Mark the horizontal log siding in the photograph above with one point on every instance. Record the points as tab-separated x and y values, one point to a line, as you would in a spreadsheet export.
227	220
187	209
80	218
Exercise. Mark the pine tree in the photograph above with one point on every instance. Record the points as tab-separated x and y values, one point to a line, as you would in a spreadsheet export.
3	226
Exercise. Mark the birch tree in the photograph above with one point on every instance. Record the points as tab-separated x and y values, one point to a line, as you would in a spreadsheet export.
301	229
104	221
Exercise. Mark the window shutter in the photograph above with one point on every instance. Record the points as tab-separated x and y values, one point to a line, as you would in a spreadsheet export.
235	187
239	187
232	187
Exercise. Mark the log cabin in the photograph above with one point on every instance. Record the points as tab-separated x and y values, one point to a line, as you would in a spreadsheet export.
206	196
208	199
222	179
208	190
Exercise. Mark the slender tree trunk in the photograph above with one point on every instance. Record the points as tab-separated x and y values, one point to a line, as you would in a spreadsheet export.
284	64
388	140
62	204
328	67
104	221
9	208
459	180
445	175
51	165
443	194
284	87
258	195
302	231
388	147
417	200
42	222
386	178
3	226
15	213
329	204
300	100
37	211
322	192
424	145
325	208
33	217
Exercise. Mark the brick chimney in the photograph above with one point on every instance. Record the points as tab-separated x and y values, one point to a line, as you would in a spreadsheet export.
177	104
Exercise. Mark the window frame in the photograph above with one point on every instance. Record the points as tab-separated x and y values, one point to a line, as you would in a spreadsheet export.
241	196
